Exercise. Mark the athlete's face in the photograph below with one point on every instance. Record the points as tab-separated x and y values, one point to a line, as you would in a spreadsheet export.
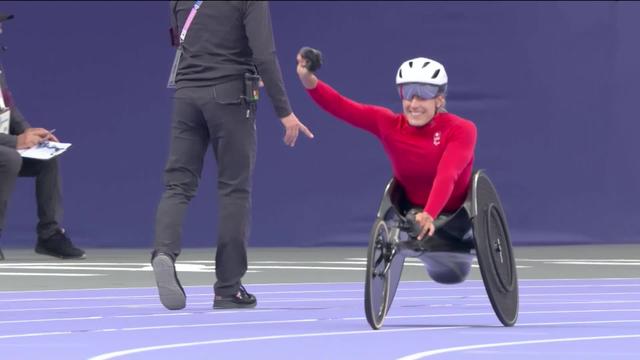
420	111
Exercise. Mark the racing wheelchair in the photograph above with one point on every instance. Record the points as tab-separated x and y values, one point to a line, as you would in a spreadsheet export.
477	229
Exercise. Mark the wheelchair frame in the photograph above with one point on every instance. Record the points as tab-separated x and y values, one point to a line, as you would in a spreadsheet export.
477	228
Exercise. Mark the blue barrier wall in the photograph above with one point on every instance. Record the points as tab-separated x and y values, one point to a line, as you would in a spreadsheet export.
551	86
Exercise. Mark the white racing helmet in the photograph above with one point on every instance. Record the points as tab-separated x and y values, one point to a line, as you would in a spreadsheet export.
423	71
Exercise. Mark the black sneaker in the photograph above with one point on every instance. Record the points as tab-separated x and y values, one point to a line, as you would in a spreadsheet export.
171	293
60	246
1	255
241	300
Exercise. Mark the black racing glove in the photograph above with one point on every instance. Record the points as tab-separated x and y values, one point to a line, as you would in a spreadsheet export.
313	56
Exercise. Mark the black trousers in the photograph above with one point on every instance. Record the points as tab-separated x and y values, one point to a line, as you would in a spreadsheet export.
214	116
48	188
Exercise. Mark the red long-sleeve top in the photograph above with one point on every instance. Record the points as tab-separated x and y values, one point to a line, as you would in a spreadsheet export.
433	163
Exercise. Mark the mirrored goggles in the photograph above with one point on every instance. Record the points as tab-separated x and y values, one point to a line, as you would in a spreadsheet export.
422	91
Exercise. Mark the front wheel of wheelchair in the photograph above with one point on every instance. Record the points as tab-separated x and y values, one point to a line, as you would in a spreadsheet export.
377	281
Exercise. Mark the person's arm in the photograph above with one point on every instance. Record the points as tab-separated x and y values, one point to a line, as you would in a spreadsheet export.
21	134
26	135
363	116
260	35
457	154
8	140
173	29
259	32
17	122
17	126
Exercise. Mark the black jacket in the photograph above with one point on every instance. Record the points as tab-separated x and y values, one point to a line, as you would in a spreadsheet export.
226	40
17	123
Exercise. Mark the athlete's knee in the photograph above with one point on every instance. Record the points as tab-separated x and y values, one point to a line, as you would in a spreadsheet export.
449	268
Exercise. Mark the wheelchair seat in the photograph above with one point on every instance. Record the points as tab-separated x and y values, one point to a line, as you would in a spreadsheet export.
453	230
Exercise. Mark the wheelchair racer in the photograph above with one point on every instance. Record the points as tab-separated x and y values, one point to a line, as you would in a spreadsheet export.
431	150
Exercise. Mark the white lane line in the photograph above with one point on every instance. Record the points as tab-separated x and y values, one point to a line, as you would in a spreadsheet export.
254	311
35	335
116	354
164	327
355	262
482	296
2	292
326	283
306	268
584	279
121	353
95	268
204	263
567	302
82	307
85	298
67	267
265	322
609	263
454	288
306	300
590	322
519	313
183	267
127	306
291	292
573	286
46	274
70	263
49	320
429	353
171	314
585	260
217	312
177	326
552	261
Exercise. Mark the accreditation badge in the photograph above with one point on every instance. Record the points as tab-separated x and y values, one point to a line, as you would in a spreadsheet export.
5	119
171	84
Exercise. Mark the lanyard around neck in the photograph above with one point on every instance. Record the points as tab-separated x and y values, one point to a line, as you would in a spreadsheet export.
187	23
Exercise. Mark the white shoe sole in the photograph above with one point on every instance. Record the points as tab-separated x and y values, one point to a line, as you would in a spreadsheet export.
172	295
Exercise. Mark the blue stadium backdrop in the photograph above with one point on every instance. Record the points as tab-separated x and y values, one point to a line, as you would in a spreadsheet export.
552	87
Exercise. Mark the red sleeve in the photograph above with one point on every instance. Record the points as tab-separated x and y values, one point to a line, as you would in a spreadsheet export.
366	117
456	157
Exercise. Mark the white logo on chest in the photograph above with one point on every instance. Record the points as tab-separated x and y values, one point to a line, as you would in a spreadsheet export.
436	138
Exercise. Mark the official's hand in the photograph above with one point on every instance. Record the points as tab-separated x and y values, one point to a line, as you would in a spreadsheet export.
30	138
426	224
51	137
309	80
292	127
43	133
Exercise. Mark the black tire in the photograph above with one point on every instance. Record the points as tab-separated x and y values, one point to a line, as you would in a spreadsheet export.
494	251
376	285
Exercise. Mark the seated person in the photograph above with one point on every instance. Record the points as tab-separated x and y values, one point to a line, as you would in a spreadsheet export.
431	150
16	133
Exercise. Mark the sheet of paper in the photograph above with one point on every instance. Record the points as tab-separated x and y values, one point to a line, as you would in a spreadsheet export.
45	150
